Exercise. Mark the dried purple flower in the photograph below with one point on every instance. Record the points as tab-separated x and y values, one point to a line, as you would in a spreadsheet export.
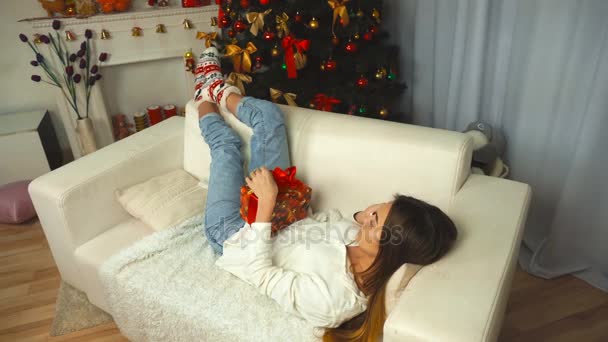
83	46
73	57
23	37
97	77
45	39
103	57
80	53
39	58
56	24
94	69
77	78
88	33
69	70
34	63
36	78
83	63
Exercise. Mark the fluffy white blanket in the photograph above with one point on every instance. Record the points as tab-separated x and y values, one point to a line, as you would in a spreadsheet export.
166	287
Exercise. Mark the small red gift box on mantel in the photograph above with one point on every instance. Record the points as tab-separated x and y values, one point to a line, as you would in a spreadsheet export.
293	200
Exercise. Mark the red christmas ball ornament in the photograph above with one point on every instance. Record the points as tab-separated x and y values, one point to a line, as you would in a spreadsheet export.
368	36
351	47
264	2
245	3
226	21
240	25
335	40
362	82
373	29
259	60
331	65
268	36
231	33
298	17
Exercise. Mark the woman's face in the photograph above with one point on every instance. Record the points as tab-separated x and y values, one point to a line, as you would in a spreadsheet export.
373	218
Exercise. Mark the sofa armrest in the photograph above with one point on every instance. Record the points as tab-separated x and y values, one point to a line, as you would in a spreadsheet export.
76	202
463	296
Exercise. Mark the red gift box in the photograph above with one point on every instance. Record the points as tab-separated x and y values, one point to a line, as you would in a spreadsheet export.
293	200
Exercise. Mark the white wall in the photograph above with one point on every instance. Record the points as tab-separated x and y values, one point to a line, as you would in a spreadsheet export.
126	88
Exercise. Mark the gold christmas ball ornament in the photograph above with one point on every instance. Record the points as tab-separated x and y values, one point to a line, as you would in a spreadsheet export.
357	36
189	54
360	13
381	74
314	23
275	52
383	112
376	14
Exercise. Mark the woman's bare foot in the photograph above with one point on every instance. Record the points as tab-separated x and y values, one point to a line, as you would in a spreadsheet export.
207	108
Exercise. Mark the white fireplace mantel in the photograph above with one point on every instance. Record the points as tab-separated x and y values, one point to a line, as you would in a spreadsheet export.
123	48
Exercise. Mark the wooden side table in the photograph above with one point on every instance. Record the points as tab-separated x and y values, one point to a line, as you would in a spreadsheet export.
28	146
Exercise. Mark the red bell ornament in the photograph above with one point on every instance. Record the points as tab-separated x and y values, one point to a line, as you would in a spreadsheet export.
268	36
331	65
362	82
240	25
225	21
351	47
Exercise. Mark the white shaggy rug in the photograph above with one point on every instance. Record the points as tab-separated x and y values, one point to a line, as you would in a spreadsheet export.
166	287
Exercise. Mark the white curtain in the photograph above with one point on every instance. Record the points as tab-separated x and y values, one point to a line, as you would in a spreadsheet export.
538	70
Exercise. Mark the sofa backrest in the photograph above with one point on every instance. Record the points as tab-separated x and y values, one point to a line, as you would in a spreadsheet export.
351	162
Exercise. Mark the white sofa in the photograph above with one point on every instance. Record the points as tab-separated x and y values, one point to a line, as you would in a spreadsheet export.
349	162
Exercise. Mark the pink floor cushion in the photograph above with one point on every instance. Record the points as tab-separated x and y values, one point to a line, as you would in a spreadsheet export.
15	203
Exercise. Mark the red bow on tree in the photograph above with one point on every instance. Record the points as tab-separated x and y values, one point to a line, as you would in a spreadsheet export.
300	45
324	102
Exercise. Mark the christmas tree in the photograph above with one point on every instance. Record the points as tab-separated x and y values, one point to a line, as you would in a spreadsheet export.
329	55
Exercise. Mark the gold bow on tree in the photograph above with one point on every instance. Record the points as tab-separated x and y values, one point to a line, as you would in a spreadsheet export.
282	27
237	80
339	7
256	19
241	58
208	36
290	98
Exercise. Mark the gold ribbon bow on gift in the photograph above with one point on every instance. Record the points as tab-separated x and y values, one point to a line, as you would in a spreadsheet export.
208	36
237	80
339	7
282	27
290	98
241	58
256	19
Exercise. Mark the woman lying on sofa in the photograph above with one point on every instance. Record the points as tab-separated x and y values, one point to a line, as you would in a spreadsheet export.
337	282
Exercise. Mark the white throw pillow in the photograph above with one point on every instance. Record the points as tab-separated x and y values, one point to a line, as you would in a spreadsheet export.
164	201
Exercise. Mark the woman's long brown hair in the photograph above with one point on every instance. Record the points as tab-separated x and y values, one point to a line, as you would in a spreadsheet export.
414	232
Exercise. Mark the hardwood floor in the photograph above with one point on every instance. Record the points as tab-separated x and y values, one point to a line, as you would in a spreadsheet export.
564	309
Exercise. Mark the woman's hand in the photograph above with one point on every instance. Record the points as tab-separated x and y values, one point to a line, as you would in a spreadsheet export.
263	185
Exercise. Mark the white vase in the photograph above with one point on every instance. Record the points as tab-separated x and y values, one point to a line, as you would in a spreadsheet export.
86	135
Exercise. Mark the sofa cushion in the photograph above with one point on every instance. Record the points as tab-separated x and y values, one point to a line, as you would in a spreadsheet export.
165	200
94	253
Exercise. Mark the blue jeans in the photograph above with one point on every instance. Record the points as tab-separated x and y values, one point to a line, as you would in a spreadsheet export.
269	148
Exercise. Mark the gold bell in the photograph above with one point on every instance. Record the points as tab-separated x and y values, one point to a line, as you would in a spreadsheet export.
136	32
187	24
160	28
214	21
383	112
314	23
70	36
105	34
275	51
376	14
37	39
